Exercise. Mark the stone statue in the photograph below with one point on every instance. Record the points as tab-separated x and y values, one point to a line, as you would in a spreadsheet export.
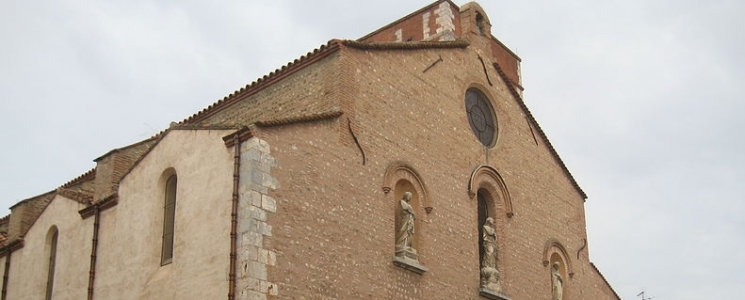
406	230
558	282
489	272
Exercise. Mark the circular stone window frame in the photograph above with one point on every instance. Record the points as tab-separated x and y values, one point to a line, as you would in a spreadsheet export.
487	111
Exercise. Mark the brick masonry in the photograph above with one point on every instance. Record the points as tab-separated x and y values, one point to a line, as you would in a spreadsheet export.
334	229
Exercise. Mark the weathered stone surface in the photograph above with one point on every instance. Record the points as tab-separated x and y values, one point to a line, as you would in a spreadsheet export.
489	294
255	207
409	264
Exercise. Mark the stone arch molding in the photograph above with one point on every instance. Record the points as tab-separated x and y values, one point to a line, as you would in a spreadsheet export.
554	246
486	177
403	171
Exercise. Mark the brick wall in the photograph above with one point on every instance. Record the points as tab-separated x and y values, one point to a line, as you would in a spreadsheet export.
308	91
25	213
429	23
333	231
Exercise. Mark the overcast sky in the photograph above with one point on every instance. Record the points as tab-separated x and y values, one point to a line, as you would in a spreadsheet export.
641	98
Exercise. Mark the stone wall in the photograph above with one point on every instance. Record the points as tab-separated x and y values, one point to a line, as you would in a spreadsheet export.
255	256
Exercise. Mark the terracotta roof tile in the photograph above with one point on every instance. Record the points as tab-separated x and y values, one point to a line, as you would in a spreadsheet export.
405	45
265	81
87	176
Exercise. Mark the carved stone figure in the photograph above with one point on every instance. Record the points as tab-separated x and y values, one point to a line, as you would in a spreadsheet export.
405	233
489	272
558	282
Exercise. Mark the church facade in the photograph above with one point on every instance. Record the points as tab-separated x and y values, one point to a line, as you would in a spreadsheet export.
402	165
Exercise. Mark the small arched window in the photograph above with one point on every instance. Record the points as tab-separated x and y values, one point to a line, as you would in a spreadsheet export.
169	213
480	23
52	246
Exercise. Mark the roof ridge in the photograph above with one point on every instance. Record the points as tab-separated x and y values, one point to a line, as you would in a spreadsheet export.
126	147
89	175
458	43
312	56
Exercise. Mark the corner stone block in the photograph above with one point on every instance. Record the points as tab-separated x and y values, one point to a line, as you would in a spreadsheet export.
268	160
251	143
268	203
250	154
253	284
257	177
252	252
255	213
253	238
250	197
249	225
257	270
264	228
269	181
257	144
253	295
267	257
268	287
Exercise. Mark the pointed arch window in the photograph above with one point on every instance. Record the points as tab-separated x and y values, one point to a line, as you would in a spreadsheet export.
493	202
169	213
52	242
483	213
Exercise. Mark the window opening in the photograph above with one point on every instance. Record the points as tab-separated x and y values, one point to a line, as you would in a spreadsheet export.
169	212
52	262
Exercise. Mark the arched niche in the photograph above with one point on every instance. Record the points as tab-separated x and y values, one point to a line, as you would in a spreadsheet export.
404	187
400	174
554	251
487	178
476	19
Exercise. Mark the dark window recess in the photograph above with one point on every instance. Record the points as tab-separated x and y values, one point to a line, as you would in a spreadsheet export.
481	117
169	212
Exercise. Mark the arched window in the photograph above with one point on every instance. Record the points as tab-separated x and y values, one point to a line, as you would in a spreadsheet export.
169	212
488	246
480	23
493	203
52	246
483	213
406	189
